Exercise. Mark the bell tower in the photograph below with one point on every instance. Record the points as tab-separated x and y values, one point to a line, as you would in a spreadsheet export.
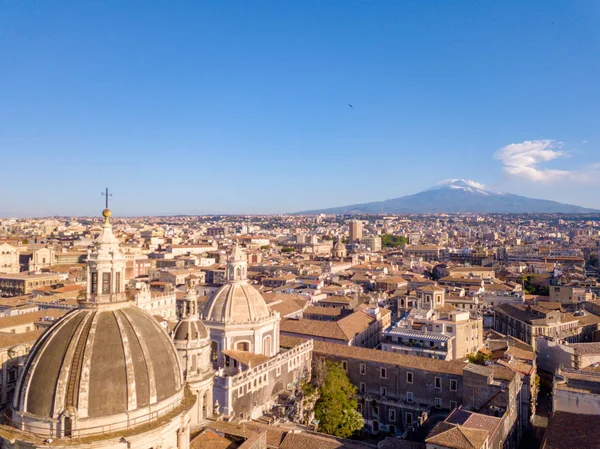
105	265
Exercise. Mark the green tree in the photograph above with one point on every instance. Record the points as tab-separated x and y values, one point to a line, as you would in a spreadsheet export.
478	358
535	285
336	407
393	241
265	247
287	249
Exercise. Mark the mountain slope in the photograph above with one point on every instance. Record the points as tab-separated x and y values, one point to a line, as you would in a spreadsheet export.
457	196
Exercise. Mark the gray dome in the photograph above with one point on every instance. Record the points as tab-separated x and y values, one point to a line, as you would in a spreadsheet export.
99	362
236	302
190	330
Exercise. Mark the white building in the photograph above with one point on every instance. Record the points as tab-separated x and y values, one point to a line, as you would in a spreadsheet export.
244	333
9	259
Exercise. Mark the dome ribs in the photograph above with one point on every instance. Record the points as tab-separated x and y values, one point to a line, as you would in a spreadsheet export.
129	369
76	364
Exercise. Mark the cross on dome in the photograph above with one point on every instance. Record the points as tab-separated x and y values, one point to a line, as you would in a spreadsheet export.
106	213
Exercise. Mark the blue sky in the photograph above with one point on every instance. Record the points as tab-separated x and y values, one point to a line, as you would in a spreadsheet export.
242	106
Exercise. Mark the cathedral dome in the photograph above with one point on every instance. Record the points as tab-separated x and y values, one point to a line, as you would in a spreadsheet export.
188	330
236	302
98	362
339	245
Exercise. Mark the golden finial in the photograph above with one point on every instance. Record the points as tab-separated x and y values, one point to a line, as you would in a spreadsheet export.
106	213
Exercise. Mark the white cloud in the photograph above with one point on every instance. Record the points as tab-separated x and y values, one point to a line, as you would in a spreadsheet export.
524	160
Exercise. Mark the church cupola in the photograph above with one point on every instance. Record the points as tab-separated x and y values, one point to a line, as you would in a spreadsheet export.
237	266
106	265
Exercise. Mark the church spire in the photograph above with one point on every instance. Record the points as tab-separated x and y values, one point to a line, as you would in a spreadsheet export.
237	265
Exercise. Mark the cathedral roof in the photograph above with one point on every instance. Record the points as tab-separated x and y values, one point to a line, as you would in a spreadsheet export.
101	362
190	330
104	362
236	302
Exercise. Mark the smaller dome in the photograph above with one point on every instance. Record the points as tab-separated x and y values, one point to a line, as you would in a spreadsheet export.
236	302
190	330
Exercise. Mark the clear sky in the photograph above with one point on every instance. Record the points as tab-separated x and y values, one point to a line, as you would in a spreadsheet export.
242	106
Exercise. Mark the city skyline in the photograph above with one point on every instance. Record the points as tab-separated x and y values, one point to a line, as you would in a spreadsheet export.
237	108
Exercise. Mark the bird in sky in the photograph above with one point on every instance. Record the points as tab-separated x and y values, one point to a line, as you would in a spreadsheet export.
350	105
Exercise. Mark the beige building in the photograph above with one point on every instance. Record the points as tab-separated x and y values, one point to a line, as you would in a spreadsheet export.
526	322
9	259
425	252
356	231
429	327
576	392
161	303
372	242
568	294
42	258
18	284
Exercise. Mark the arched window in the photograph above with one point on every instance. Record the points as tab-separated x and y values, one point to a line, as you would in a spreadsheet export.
238	272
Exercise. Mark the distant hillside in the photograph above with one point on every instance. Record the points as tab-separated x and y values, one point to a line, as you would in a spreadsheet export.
457	196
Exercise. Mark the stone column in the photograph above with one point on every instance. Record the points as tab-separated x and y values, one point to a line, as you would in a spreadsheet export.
183	438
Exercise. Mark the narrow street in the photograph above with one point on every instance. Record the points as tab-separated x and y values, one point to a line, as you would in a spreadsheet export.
540	421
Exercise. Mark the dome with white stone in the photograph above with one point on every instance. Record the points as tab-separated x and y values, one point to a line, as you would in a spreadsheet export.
236	301
237	317
105	367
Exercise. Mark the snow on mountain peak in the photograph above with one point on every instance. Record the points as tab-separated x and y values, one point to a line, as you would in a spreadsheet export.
462	184
456	183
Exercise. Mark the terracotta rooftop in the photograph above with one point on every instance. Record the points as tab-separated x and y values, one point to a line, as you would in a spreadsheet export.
457	436
390	358
343	329
570	430
7	340
32	317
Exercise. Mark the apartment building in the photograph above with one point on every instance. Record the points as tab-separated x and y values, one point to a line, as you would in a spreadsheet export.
426	252
372	242
18	284
525	322
428	327
356	231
